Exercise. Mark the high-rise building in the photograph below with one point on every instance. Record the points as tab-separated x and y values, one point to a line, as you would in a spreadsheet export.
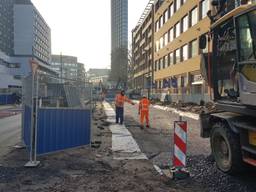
6	29
24	35
32	35
119	40
6	45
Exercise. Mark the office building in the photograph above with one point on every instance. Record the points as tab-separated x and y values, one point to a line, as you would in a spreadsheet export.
25	36
6	46
119	40
143	51
68	67
178	26
32	35
98	76
81	72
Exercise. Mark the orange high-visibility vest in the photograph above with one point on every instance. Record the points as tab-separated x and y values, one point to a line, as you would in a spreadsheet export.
144	104
120	99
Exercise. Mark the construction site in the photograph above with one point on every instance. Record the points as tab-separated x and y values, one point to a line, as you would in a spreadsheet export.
176	115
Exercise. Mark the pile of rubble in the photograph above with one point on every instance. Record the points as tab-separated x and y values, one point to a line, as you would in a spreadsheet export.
188	107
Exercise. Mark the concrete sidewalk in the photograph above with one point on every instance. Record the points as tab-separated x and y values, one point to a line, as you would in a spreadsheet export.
4	107
123	144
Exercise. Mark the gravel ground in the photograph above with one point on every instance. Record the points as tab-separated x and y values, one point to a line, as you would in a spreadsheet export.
82	169
157	144
93	169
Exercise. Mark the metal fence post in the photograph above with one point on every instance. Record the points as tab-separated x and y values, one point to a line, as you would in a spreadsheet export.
91	111
32	156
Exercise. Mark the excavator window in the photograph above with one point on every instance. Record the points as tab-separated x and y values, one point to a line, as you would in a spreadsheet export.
225	39
246	27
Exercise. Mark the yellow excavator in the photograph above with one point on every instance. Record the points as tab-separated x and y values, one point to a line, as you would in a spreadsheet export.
229	67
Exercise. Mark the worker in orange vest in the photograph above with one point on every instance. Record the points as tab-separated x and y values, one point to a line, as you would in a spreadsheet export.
119	102
144	111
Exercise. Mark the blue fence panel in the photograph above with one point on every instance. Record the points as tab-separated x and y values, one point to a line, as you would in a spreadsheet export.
10	99
7	99
27	126
60	129
2	99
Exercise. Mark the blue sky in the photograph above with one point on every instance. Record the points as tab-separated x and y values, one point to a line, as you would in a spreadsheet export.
82	27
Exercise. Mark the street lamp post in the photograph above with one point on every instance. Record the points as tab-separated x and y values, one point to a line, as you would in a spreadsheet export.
148	73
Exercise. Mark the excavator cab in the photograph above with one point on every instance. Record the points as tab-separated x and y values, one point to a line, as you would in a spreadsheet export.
232	69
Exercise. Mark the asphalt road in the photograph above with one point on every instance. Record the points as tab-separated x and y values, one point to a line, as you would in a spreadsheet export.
10	132
157	143
161	131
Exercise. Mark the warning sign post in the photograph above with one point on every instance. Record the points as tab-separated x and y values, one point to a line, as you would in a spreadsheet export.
180	150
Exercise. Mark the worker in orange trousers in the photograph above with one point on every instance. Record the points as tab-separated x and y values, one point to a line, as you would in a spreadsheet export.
144	111
119	102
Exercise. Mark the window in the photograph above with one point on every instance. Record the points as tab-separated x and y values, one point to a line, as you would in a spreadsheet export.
17	76
185	23
156	64
193	17
226	51
171	10
156	26
177	30
182	81
171	59
184	53
166	60
178	4
166	38
177	56
166	16
206	47
157	46
159	65
161	42
160	22
171	35
246	37
13	65
193	51
205	7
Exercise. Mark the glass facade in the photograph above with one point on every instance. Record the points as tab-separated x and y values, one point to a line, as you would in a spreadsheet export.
119	40
6	26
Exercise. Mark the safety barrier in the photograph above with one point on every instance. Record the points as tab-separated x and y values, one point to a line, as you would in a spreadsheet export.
56	114
7	99
60	129
180	144
180	150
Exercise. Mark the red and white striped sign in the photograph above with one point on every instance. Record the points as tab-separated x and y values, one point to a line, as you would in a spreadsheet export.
180	144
